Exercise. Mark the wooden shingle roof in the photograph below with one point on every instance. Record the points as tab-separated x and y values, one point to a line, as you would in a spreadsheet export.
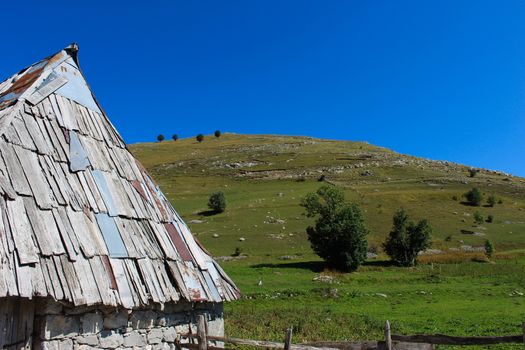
80	218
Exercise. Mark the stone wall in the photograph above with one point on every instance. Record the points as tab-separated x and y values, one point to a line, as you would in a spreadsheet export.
61	328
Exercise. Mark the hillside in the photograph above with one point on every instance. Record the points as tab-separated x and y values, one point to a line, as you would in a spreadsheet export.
264	177
454	290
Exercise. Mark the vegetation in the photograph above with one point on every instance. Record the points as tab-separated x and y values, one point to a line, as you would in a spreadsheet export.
217	202
199	137
472	172
160	138
450	293
174	137
407	239
474	197
489	249
478	218
490	218
491	200
339	234
217	133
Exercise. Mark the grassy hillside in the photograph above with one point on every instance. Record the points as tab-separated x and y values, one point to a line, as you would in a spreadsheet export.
264	177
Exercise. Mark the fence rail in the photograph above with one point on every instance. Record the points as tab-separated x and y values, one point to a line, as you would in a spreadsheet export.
391	341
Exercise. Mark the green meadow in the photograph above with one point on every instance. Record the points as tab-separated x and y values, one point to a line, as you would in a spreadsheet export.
260	239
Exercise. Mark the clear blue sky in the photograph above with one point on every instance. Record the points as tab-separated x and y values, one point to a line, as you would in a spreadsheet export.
438	79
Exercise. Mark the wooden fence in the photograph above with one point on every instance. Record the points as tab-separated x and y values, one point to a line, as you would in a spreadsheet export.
390	342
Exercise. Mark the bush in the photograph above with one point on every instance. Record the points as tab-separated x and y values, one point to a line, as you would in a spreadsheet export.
174	137
478	218
489	249
407	239
490	218
472	172
339	234
160	138
217	133
474	197
199	137
491	201
217	202
455	198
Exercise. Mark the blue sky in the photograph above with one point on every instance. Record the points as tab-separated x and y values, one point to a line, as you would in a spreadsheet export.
437	79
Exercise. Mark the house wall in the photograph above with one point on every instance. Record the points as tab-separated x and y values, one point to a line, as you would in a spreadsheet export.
16	323
58	327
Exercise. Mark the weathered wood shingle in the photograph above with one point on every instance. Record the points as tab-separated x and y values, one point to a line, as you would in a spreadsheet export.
77	207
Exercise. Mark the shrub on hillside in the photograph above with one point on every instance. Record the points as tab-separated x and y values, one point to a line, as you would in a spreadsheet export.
472	172
478	218
474	197
407	239
174	137
491	201
339	234
217	133
490	218
199	137
489	249
217	202
160	138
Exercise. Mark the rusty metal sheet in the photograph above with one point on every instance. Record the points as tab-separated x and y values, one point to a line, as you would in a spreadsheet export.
111	235
49	85
78	158
178	241
20	83
192	281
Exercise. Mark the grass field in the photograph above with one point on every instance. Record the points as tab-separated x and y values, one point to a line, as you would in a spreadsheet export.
264	178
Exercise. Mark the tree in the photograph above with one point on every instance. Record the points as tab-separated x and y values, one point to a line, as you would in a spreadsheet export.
474	197
478	218
339	234
489	249
217	202
472	172
491	201
160	138
199	137
174	137
407	239
217	133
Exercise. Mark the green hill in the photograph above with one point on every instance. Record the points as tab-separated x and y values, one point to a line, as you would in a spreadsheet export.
454	290
265	176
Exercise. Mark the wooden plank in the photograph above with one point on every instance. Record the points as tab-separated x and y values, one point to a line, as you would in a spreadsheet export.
165	283
87	191
266	344
151	280
69	277
201	333
125	234
388	336
35	131
164	241
53	282
24	282
441	339
85	277
35	177
14	169
66	232
123	284
22	232
94	191
103	281
83	236
104	189
23	135
45	241
37	281
51	177
136	281
196	252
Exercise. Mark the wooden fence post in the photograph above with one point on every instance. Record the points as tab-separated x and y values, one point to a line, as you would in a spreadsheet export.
388	336
288	339
201	333
523	328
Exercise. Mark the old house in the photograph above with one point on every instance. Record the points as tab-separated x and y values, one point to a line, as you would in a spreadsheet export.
92	254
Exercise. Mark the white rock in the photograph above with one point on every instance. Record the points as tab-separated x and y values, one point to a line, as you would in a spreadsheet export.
134	338
110	339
